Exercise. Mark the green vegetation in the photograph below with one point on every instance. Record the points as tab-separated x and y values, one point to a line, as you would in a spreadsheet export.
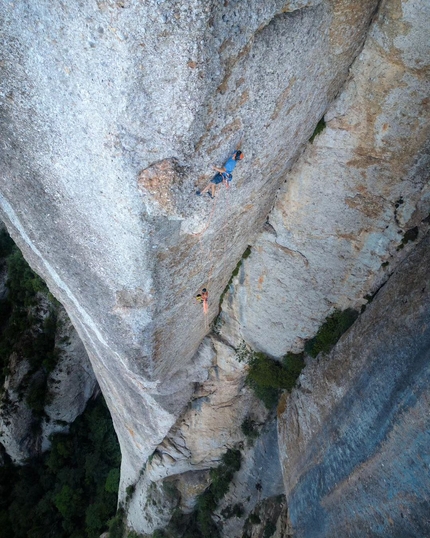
200	524
6	244
171	490
330	331
249	429
23	330
70	492
207	502
237	510
254	519
130	492
159	533
269	530
410	235
318	129
116	525
133	534
267	377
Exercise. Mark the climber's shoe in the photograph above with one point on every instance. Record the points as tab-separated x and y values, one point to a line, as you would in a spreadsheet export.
198	193
210	195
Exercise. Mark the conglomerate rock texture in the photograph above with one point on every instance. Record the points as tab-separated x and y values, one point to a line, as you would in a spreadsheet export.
114	112
354	436
105	101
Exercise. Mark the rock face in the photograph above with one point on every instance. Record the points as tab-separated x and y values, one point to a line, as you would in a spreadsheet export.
71	384
210	425
103	104
353	203
25	434
354	437
113	113
258	479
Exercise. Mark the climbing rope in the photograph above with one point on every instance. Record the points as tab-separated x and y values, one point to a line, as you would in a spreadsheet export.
199	235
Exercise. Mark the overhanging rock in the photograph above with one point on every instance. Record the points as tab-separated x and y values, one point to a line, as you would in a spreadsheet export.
95	94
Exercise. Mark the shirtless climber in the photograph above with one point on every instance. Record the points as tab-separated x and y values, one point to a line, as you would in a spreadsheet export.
223	174
203	298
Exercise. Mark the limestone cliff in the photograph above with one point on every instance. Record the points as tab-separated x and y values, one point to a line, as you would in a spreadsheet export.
355	201
114	112
94	95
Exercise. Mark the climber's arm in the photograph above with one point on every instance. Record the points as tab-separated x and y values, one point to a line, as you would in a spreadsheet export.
220	170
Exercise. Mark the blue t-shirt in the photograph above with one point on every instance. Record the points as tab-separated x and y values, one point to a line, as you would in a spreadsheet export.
230	164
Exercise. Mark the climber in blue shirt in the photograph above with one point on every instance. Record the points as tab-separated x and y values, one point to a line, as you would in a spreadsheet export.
223	174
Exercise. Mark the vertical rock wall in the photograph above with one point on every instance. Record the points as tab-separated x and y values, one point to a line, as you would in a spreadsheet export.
354	436
112	113
354	202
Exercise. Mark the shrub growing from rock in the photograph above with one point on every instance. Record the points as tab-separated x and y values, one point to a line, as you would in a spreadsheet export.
330	331
267	377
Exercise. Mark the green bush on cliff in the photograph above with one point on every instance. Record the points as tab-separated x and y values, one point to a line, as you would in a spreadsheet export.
269	530
200	524
249	429
267	377
320	126
29	335
330	331
207	502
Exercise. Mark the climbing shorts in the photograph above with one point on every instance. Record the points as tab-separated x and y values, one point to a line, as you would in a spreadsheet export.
219	178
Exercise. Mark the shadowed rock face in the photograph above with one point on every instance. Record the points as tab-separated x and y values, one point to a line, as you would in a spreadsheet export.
354	437
70	385
104	103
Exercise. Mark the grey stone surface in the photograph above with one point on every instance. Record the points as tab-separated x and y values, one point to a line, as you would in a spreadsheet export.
15	416
354	436
95	94
209	426
338	226
72	382
259	478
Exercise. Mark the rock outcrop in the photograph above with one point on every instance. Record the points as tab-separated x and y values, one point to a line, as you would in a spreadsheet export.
71	384
94	97
354	436
40	395
210	425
